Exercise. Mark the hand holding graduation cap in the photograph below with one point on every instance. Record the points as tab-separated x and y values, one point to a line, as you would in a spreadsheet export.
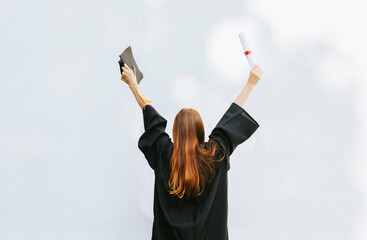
129	76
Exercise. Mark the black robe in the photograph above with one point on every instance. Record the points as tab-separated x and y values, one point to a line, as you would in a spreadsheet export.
205	216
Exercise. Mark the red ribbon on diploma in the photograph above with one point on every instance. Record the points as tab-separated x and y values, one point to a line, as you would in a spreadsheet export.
247	52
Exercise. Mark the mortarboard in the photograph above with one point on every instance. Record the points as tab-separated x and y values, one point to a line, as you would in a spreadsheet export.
127	57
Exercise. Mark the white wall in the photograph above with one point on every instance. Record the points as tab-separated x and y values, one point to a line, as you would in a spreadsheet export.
70	167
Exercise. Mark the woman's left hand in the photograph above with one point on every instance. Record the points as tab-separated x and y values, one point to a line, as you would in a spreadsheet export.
129	76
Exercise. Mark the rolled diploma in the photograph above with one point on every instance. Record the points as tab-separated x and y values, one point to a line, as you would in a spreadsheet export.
246	49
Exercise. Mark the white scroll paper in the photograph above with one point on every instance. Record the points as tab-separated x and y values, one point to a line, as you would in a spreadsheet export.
246	49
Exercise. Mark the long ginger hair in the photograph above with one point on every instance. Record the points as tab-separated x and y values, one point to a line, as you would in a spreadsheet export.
191	165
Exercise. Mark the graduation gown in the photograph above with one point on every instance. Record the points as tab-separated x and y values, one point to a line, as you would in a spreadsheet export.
203	217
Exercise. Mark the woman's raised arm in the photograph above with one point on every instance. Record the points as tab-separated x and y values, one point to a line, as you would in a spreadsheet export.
255	75
129	77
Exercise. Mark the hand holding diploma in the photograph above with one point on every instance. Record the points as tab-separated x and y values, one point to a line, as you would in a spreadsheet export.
255	75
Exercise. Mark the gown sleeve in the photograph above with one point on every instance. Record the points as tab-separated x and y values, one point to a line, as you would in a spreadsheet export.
154	139
235	127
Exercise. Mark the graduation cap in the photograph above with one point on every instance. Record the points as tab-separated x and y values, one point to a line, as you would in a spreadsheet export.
128	58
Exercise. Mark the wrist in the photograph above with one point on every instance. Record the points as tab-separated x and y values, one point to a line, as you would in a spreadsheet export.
250	85
133	86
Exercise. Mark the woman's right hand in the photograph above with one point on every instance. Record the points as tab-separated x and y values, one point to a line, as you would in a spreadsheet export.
255	75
